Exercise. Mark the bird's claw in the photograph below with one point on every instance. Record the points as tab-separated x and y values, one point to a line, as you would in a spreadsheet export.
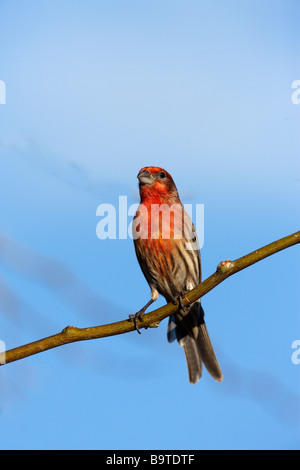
182	307
135	317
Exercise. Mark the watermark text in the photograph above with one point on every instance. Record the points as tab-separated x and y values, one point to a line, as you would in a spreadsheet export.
296	94
2	92
2	352
159	221
296	353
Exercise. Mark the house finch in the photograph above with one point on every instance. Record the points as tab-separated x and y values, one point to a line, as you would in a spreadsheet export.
167	250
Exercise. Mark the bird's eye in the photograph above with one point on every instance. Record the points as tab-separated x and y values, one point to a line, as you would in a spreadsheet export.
162	174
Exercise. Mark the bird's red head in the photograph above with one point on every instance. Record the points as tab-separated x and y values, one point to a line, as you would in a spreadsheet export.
156	184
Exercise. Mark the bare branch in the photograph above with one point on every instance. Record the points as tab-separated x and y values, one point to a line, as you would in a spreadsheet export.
71	334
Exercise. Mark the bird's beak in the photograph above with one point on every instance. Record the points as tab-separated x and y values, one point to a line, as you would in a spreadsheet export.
145	177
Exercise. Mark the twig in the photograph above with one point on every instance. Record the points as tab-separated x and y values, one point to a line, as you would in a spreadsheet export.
71	334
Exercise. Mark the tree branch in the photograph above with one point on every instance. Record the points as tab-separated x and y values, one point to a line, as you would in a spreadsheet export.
71	334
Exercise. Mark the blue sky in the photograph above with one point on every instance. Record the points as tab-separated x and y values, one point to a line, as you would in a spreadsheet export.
95	91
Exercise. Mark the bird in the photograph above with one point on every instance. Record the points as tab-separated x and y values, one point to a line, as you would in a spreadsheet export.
167	249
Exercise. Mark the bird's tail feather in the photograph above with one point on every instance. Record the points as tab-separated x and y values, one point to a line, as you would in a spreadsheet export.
190	331
207	353
193	360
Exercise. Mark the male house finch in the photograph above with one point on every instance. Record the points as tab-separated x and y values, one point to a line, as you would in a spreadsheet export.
167	250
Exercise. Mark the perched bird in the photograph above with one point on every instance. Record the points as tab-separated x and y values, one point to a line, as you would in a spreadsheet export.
167	250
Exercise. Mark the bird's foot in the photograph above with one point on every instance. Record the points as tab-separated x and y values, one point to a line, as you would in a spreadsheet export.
182	307
139	315
135	317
